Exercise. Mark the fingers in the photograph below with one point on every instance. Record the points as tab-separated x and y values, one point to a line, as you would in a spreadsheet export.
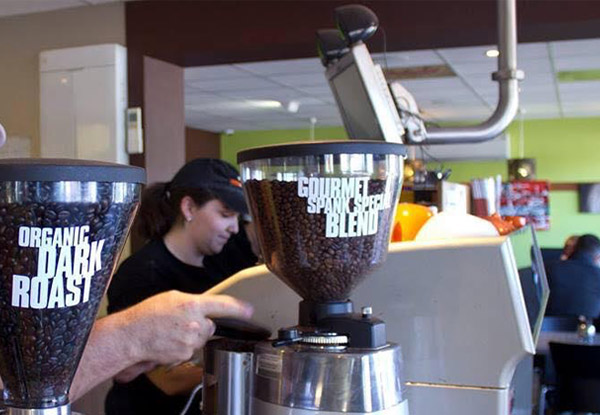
183	343
202	329
224	306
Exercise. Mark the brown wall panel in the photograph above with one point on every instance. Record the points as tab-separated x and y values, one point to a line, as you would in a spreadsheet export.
199	143
193	33
164	120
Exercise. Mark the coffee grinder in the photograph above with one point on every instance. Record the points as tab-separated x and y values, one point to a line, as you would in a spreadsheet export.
323	213
63	224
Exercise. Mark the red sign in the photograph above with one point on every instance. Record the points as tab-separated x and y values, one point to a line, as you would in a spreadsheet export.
529	199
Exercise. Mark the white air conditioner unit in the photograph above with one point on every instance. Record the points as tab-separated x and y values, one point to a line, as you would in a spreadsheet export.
83	99
496	149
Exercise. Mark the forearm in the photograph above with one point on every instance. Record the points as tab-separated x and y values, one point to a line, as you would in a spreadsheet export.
110	350
161	330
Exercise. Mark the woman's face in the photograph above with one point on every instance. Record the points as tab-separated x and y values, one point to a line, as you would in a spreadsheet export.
211	226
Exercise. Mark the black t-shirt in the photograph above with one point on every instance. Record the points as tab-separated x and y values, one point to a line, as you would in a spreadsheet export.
574	288
148	272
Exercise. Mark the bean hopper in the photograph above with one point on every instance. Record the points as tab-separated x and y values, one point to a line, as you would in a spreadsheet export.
63	224
323	213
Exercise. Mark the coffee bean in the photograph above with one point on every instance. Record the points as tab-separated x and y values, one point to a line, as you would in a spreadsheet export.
40	348
295	247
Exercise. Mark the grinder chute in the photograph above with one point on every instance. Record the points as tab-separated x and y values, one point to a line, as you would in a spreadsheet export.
63	224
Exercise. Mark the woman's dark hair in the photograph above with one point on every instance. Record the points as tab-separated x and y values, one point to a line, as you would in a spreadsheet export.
160	208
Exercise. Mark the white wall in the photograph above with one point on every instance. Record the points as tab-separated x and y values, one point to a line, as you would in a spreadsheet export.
23	37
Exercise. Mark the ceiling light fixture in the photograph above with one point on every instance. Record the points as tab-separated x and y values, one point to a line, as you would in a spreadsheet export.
521	168
492	53
266	103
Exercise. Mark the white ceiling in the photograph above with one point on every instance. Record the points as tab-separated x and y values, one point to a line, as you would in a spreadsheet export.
16	7
224	97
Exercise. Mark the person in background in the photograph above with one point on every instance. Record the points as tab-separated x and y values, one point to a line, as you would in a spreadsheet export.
195	240
575	282
569	247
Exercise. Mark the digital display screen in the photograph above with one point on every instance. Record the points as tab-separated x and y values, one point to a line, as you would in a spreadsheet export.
363	97
532	276
354	103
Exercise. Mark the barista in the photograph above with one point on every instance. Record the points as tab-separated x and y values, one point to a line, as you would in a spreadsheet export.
192	217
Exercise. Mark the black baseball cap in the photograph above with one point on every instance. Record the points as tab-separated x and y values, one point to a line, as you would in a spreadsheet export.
216	176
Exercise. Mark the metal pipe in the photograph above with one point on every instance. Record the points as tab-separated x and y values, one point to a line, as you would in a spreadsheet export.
2	135
507	76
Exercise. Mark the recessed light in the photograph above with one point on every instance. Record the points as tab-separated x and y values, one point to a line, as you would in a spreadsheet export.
492	53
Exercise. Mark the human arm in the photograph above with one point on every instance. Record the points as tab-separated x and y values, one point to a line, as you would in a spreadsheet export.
161	330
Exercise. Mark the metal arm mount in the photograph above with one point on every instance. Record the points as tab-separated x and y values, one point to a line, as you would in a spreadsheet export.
507	75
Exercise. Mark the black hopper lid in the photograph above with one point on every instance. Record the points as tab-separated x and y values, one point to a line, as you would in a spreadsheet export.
56	170
317	148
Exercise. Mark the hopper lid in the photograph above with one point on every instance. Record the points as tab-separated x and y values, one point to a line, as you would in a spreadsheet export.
317	148
55	170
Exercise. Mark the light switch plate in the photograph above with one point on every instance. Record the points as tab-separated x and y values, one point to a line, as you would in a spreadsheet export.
135	132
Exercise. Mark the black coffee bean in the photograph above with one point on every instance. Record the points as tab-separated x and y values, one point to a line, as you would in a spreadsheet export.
40	348
295	247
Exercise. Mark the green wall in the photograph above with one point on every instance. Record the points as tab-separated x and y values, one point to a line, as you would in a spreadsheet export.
566	151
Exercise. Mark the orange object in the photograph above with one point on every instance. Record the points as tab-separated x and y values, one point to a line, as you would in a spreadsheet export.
517	221
504	226
397	233
409	218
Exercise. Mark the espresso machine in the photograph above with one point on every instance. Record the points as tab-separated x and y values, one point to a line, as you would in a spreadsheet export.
323	213
63	224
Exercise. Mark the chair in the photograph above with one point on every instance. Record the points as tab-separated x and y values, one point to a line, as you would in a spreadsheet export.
542	363
551	254
578	374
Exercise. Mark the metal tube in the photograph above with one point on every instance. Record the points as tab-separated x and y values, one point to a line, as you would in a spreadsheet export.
507	77
59	410
227	378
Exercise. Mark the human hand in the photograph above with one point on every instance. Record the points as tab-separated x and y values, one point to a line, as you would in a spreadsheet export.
168	327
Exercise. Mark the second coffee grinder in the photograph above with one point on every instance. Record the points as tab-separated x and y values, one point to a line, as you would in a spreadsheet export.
323	212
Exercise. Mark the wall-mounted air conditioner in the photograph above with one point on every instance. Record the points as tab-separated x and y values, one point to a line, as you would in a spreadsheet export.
83	99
